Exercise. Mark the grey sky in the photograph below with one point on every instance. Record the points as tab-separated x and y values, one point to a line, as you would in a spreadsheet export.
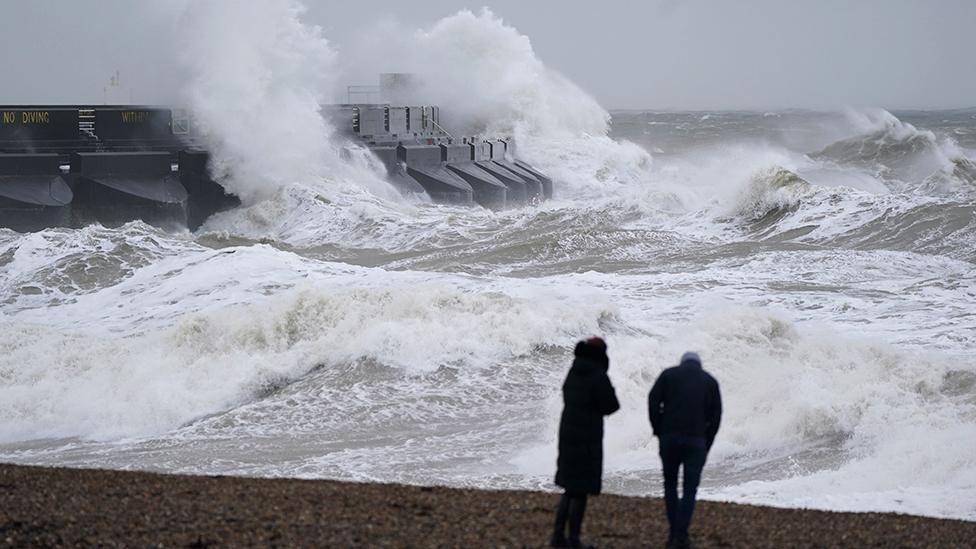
680	54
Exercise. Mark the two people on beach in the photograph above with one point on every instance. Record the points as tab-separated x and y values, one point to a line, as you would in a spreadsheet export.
685	410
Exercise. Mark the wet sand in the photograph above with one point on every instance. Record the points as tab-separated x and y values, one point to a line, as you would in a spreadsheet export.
83	507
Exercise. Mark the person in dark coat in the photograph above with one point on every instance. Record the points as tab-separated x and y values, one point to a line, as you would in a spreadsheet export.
685	408
587	397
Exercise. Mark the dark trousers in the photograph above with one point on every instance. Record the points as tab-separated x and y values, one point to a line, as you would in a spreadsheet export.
677	451
572	506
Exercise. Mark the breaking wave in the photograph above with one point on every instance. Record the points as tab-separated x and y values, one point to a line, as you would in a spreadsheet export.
557	126
771	195
166	353
907	158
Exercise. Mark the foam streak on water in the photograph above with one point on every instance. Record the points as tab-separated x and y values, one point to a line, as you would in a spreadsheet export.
821	263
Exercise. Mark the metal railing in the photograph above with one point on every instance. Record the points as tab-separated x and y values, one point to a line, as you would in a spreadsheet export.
441	128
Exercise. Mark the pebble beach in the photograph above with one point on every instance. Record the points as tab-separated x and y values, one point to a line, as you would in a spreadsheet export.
56	507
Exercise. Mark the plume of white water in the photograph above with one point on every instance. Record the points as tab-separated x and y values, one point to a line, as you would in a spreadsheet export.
488	80
256	80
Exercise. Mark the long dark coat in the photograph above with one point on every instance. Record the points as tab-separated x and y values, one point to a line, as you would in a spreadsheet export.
587	397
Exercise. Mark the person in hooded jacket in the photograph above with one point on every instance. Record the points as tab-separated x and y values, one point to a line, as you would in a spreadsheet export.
587	397
685	408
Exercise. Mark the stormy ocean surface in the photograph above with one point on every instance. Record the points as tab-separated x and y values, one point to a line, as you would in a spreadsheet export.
822	264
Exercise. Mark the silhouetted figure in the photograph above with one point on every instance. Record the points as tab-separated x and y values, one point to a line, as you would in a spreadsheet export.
685	408
587	397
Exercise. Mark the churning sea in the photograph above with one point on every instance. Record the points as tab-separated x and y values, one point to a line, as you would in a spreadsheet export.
822	264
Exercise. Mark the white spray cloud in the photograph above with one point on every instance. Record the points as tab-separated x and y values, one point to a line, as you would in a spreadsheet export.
488	80
256	78
486	72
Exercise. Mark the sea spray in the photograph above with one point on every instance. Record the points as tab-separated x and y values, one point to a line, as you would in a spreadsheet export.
488	73
309	194
488	80
257	76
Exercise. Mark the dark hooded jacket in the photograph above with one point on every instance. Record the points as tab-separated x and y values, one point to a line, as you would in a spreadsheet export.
587	397
685	400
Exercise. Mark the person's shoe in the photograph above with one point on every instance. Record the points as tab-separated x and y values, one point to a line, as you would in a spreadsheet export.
684	543
558	539
580	545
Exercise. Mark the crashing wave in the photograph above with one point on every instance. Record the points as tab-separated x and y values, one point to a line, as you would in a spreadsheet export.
771	194
899	153
887	145
488	79
957	179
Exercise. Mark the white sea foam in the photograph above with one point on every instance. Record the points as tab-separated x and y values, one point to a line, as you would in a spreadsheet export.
191	335
208	331
812	418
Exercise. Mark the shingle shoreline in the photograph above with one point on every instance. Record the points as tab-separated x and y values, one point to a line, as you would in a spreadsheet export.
43	507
